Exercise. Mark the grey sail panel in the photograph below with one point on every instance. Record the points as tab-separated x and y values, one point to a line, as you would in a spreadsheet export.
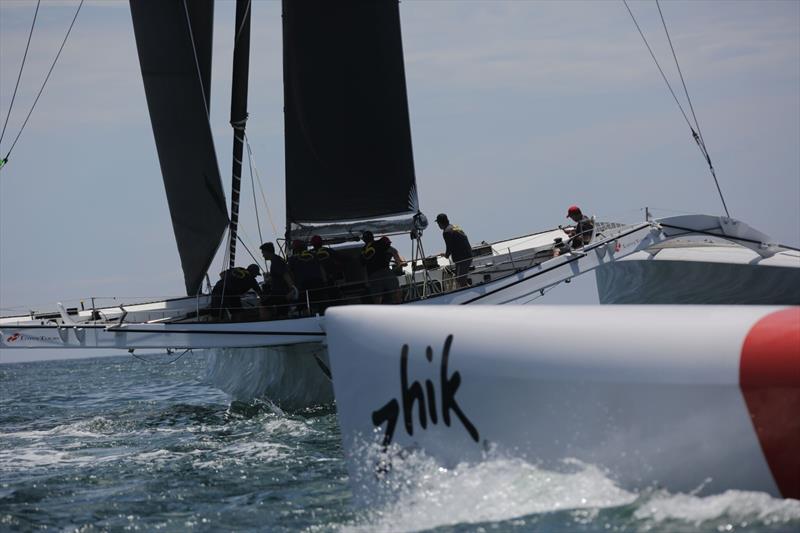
348	137
174	41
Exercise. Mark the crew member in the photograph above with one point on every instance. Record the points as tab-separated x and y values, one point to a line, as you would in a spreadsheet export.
457	246
329	259
233	283
382	284
282	290
331	263
581	234
307	273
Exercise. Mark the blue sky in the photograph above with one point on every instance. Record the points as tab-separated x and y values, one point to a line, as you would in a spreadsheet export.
518	109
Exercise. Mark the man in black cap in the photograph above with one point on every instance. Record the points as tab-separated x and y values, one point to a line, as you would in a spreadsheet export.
281	288
381	282
308	274
332	264
457	246
233	283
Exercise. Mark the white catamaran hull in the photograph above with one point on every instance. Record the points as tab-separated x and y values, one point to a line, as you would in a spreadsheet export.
610	246
275	372
514	288
676	397
254	359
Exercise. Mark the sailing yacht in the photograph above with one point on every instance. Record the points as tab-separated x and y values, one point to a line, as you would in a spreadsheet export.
349	169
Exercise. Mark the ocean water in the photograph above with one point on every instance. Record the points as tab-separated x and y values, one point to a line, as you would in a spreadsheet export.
122	444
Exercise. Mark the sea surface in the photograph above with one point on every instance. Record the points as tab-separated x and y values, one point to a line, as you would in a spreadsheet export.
120	443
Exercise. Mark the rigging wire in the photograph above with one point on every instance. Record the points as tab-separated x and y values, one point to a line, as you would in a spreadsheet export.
261	189
253	177
658	65
44	83
227	254
680	73
21	67
695	135
698	137
247	249
255	200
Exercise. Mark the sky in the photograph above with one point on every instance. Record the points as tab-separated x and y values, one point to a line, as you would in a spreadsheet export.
518	110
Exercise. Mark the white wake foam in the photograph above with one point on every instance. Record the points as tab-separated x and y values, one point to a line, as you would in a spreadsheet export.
418	494
429	496
734	506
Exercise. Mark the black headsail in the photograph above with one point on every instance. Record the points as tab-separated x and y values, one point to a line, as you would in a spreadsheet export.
174	39
349	163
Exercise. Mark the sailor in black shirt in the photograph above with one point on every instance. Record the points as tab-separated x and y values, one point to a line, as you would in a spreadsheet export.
582	232
457	246
307	273
232	284
375	256
282	289
332	264
329	259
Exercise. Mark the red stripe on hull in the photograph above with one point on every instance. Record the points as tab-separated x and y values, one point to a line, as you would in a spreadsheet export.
769	375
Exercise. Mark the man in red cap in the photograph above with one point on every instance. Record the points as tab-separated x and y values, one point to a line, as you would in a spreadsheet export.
581	234
328	258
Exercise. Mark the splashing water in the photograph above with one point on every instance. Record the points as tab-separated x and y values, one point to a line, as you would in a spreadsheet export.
501	493
493	491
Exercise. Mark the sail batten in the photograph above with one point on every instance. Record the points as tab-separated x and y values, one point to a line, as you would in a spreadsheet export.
174	42
348	136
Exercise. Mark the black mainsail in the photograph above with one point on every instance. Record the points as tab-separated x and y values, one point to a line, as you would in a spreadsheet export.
349	162
174	39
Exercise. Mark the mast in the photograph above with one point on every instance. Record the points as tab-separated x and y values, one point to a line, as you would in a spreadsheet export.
241	65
